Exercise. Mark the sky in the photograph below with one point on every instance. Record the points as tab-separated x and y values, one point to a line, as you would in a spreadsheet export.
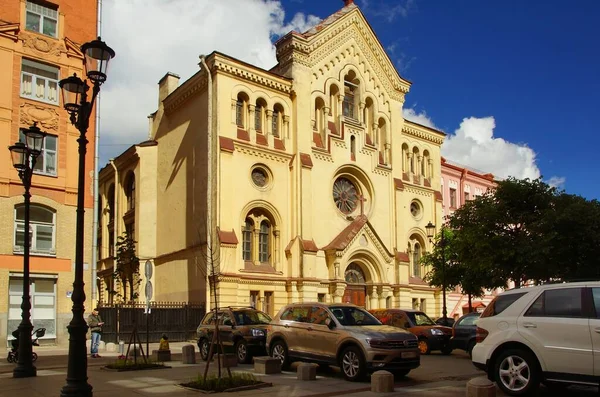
514	84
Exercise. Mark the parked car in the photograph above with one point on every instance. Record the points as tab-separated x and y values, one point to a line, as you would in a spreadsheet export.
463	332
430	335
548	333
242	329
448	323
341	334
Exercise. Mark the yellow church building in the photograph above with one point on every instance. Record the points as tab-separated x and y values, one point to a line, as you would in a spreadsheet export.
305	179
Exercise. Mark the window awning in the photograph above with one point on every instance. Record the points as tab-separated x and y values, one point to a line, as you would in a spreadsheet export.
474	305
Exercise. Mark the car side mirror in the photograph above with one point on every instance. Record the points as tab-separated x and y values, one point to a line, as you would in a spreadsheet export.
329	323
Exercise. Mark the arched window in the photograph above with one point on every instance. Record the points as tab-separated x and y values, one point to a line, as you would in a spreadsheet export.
320	118
383	141
259	116
369	119
426	166
334	95
42	229
354	274
405	158
277	120
351	96
241	109
417	260
415	168
130	191
263	242
247	240
99	229
110	227
353	147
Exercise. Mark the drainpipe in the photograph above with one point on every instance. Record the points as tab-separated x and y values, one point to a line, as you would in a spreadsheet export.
115	223
209	188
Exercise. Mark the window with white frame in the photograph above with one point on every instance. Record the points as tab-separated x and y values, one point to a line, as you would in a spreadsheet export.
43	304
42	230
41	19
39	81
46	162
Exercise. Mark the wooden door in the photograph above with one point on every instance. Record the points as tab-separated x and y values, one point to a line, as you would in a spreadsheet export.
355	294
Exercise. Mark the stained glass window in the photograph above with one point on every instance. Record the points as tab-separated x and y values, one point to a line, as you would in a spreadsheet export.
345	195
354	274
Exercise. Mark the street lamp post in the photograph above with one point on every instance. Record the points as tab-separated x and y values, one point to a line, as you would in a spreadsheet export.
24	156
75	101
430	234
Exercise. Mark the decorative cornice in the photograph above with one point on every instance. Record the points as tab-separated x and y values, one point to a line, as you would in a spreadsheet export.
322	155
262	152
184	92
427	135
232	68
41	44
46	116
418	191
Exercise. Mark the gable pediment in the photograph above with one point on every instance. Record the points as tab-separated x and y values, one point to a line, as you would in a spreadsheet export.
359	232
10	31
345	37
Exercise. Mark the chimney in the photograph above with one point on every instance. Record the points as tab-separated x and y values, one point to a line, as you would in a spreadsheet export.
348	2
167	85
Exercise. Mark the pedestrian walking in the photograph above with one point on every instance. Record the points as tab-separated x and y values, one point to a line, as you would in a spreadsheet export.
95	323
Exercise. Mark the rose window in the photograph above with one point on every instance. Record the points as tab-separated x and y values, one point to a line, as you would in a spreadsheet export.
259	177
345	195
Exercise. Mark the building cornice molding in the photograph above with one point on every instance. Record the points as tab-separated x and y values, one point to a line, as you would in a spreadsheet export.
10	31
239	70
262	152
423	133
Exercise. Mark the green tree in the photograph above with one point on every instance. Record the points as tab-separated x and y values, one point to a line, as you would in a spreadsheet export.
506	232
127	270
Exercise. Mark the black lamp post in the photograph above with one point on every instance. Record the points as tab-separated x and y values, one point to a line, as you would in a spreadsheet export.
430	234
75	100
24	156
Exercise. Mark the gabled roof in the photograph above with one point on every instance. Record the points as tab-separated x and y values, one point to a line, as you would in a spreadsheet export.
329	20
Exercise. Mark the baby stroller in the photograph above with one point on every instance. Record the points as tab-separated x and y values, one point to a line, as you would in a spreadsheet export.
13	356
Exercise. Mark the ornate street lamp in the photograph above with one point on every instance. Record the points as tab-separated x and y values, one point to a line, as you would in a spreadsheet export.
24	156
75	100
430	227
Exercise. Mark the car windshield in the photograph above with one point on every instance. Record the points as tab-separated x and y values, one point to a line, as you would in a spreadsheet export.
420	318
349	315
249	317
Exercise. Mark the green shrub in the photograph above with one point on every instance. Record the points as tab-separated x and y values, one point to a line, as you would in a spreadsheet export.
214	383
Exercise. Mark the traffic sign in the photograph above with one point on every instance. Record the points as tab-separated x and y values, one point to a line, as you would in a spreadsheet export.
148	290
148	269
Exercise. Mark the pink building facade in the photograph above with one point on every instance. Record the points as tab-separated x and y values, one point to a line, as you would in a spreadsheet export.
459	185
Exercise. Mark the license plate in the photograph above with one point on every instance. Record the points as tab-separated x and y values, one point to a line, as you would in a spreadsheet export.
409	355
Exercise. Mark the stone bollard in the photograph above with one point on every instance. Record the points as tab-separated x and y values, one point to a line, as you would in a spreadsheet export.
111	347
266	365
188	354
382	382
307	371
481	387
161	355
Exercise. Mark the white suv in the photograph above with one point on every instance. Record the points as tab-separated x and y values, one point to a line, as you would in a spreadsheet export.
548	333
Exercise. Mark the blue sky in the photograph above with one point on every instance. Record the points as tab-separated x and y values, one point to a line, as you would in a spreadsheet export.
527	72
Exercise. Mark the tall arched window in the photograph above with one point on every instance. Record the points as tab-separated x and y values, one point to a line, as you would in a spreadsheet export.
320	118
334	99
130	191
42	229
277	121
263	242
241	109
417	260
353	147
351	96
247	240
259	116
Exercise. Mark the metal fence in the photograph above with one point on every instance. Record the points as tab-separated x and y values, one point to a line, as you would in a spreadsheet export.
177	320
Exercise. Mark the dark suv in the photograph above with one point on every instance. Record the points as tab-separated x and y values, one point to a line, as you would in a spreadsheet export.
242	329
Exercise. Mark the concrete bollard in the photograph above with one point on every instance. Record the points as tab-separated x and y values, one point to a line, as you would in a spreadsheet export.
111	347
481	387
188	354
266	365
307	371
382	382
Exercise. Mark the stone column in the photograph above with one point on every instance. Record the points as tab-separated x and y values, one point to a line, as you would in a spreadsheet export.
373	298
233	111
255	243
337	291
276	234
251	130
361	112
268	129
412	166
386	153
286	128
375	134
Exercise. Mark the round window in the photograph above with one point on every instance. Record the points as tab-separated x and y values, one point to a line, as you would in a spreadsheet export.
345	195
415	209
260	177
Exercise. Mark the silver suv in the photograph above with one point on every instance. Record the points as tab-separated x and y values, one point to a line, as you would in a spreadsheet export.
344	335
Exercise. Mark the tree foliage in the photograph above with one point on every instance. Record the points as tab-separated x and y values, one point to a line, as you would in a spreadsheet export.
127	270
521	231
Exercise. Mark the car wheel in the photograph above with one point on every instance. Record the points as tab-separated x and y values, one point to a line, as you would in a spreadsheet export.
33	357
279	350
241	351
204	347
352	364
400	373
446	350
470	347
424	346
516	372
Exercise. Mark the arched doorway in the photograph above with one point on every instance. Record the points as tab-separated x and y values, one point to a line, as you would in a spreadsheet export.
356	288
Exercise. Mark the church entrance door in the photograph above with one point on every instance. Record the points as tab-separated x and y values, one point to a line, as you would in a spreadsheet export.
356	289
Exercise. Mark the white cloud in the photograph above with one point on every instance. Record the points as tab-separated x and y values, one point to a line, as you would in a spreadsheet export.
557	182
474	145
419	118
152	37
